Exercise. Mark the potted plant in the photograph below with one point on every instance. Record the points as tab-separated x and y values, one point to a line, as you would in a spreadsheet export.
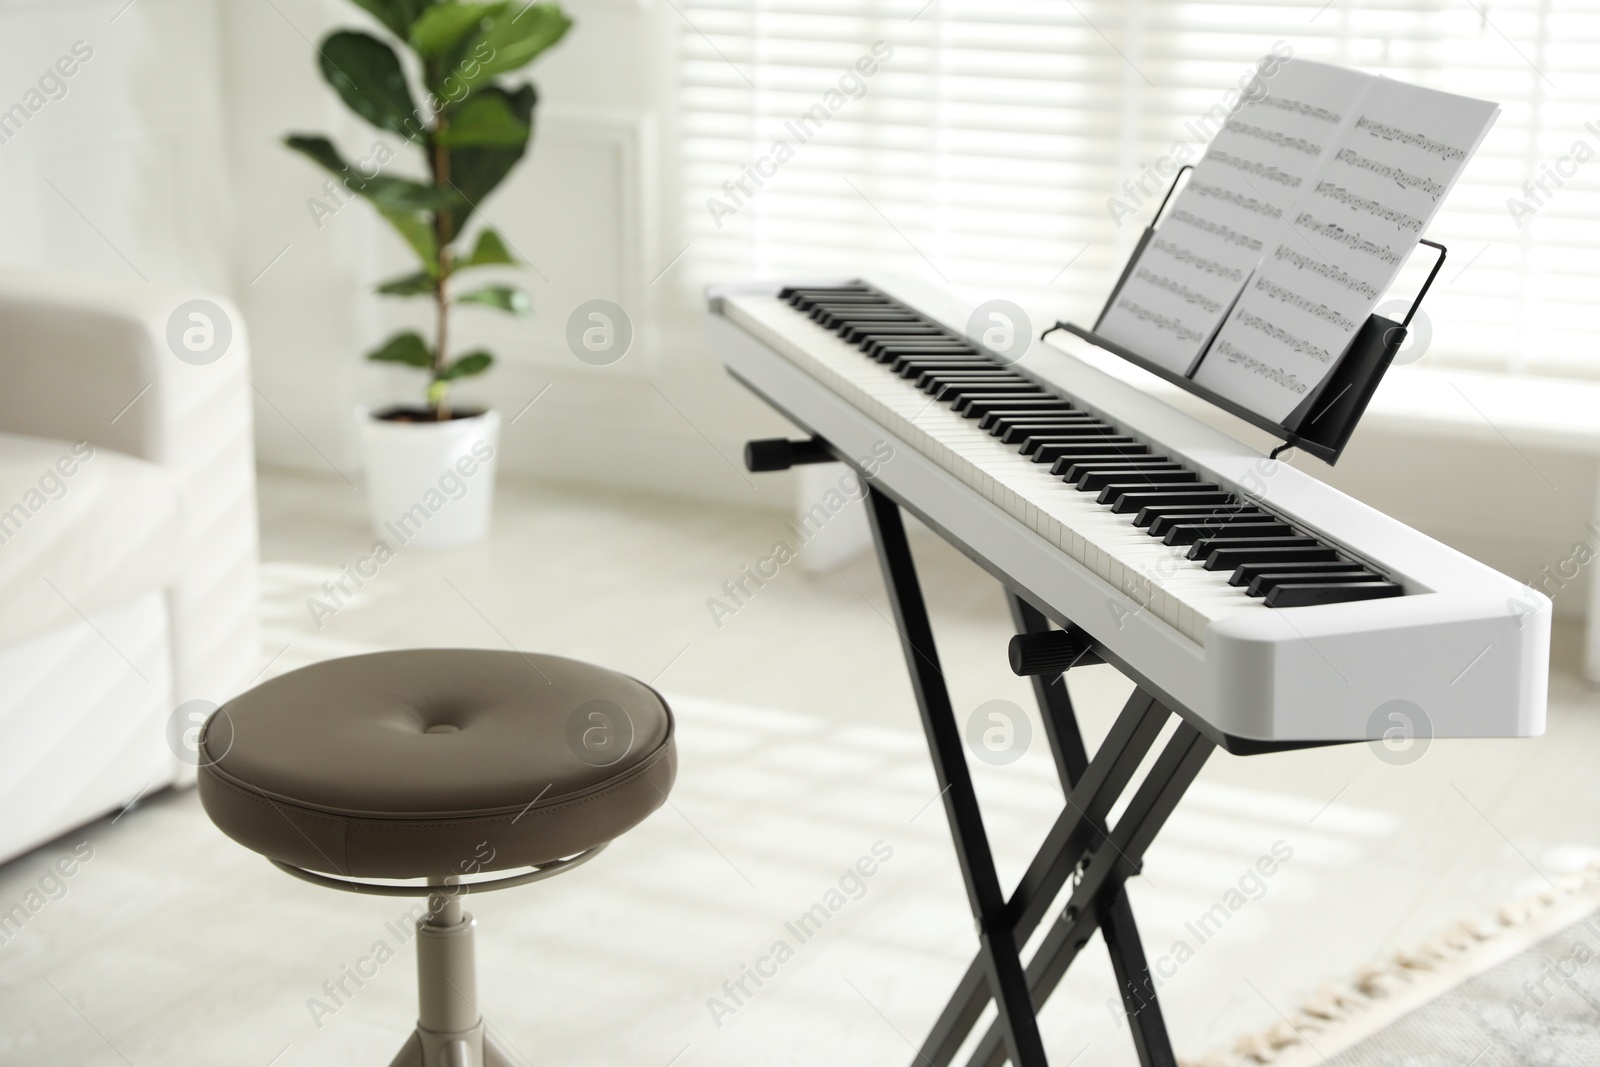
430	466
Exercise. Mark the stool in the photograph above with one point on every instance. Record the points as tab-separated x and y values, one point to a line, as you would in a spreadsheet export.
438	765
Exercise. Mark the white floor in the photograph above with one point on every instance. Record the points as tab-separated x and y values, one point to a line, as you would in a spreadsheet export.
800	753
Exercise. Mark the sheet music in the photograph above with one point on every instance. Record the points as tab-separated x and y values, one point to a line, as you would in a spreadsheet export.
1343	244
1253	175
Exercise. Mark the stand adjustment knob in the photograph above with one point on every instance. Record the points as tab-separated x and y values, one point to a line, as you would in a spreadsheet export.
1051	652
780	453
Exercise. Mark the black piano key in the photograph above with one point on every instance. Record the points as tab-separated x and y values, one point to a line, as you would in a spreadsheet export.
1190	533
886	351
1309	595
1162	523
863	311
1065	413
1246	573
1112	492
1038	437
1060	422
804	298
952	360
914	367
804	304
950	392
1032	394
974	376
1192	512
1074	467
987	374
1063	465
1130	502
1038	423
1093	440
977	375
845	300
1109	494
1015	405
1222	559
934	385
844	289
1037	442
864	337
1088	477
1266	582
1206	545
835	319
856	334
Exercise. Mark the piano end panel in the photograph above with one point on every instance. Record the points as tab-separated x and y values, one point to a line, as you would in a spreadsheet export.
1431	665
1245	694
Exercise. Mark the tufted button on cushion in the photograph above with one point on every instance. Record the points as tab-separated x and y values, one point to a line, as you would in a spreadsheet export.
427	763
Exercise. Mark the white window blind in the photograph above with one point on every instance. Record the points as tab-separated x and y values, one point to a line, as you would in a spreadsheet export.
985	148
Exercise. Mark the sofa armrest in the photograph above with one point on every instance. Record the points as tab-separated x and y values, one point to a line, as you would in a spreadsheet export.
87	359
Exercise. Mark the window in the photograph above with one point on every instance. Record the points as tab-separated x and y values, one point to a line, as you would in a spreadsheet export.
990	144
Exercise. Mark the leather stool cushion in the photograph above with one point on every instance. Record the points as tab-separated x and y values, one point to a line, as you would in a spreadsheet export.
427	763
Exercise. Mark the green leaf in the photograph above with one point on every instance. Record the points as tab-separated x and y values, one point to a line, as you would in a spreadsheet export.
505	297
416	231
319	150
408	285
402	202
475	171
408	348
490	251
397	15
366	74
403	194
388	193
486	120
513	37
469	365
444	26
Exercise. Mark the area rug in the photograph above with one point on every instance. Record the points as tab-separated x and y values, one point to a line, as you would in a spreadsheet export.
1520	988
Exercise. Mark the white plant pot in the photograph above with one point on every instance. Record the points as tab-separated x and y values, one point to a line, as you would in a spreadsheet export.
430	483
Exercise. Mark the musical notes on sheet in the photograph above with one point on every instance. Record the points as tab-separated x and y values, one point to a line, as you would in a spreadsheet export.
1362	215
1257	169
1295	222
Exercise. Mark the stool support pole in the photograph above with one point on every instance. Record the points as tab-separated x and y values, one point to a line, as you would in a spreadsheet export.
449	1027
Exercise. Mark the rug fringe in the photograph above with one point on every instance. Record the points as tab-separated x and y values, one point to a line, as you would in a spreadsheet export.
1336	1006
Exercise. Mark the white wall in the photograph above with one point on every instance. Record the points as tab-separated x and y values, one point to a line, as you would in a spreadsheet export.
122	174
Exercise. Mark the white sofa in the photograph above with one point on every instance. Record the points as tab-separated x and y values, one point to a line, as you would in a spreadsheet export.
128	548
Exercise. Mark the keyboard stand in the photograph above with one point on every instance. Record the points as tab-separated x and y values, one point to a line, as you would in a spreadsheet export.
1080	847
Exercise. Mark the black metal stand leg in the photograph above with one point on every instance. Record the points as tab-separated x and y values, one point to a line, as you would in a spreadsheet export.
1112	862
1120	931
1079	826
1132	970
1079	846
1016	1028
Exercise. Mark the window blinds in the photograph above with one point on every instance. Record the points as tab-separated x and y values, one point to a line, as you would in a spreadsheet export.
1012	148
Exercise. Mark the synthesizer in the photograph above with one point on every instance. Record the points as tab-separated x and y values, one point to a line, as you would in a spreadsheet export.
1257	601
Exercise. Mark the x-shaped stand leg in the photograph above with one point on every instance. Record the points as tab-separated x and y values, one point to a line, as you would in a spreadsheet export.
1079	845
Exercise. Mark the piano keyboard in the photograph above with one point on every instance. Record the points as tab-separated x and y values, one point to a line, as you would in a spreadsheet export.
1263	602
1185	548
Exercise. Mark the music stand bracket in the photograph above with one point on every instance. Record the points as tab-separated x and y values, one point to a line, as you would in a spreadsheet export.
1322	423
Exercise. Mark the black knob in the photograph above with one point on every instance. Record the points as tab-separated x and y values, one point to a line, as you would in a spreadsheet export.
780	453
1050	652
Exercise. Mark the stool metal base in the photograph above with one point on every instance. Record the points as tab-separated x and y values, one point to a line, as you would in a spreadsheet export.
458	1054
450	1030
